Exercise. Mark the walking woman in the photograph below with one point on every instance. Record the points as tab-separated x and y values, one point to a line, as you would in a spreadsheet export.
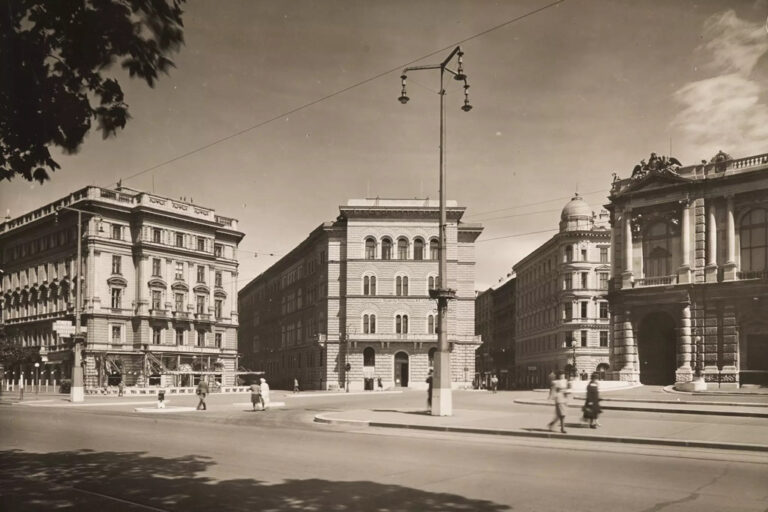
560	391
591	407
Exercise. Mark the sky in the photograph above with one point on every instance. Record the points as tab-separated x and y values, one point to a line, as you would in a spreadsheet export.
562	98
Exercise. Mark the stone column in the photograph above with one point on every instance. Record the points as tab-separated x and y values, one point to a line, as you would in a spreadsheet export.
626	276
684	372
710	270
141	287
234	315
729	270
684	272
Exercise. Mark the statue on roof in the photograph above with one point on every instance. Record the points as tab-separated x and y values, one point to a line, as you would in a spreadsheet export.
656	164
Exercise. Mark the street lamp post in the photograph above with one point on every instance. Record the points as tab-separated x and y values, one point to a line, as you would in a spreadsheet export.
442	402
37	379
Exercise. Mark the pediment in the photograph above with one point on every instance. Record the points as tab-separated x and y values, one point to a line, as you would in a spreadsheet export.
117	281
201	288
180	286
156	282
220	293
654	180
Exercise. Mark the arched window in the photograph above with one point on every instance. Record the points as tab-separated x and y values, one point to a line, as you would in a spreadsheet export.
369	324
753	234
401	324
370	248
369	285
434	249
369	357
431	283
418	249
386	249
402	248
657	255
430	324
432	356
401	286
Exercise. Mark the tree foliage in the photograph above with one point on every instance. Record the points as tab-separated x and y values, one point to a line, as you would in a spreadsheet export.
55	57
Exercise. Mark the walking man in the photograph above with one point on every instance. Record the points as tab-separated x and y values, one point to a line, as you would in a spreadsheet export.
560	391
202	392
429	390
295	385
264	396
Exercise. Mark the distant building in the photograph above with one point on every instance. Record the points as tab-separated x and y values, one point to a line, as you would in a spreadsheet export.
495	323
159	287
563	321
690	276
484	329
356	292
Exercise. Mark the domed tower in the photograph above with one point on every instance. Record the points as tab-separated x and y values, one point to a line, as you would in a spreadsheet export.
577	215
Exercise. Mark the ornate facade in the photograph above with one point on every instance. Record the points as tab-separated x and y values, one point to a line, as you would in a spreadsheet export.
563	321
356	293
690	279
159	287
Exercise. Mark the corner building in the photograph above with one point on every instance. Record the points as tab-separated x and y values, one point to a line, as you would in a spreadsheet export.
356	293
690	281
159	287
563	321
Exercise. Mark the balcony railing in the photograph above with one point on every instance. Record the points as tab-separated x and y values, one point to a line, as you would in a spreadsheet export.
753	274
181	315
158	313
203	317
655	281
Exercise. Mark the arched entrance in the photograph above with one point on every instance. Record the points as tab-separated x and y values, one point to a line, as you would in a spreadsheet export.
401	369
656	350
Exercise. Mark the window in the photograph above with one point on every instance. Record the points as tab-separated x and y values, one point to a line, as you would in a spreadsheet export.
369	324
179	239
200	338
218	250
418	249
370	248
603	339
402	249
401	324
179	275
369	285
603	309
432	283
156	267
117	334
218	339
583	309
657	254
200	274
603	279
200	304
156	299
569	340
583	338
568	312
157	235
567	281
568	253
218	307
369	357
603	255
217	278
583	255
200	243
179	336
753	234
401	286
386	249
117	232
431	324
179	302
116	298
584	281
157	335
116	264
434	249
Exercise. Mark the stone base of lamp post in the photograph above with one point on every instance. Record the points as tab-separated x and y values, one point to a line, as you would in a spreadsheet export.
442	397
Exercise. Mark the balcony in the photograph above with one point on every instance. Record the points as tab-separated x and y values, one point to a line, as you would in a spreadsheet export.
655	281
754	274
203	318
158	313
181	316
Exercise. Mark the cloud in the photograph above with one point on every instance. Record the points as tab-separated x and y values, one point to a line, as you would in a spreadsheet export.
725	111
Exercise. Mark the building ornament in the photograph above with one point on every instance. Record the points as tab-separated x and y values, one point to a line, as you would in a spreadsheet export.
640	220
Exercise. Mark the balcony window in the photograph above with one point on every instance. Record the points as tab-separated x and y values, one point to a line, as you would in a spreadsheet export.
116	264
753	234
201	274
116	298
200	304
657	250
156	262
157	298
179	302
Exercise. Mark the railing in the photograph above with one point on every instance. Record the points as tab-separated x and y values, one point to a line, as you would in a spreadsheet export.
181	315
158	313
655	281
203	317
753	274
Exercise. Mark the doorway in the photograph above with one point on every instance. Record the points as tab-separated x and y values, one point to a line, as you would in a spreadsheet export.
401	369
656	349
754	367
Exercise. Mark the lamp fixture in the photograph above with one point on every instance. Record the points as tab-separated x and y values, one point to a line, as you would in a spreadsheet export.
403	98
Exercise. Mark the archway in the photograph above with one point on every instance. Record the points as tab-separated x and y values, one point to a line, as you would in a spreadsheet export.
401	369
656	349
602	370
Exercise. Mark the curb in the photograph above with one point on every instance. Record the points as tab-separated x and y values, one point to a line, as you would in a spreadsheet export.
320	395
739	414
672	391
550	435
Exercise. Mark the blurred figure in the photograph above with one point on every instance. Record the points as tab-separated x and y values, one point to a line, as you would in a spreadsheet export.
560	392
591	408
264	394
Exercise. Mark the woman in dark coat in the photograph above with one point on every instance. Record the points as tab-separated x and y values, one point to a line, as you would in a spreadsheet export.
591	407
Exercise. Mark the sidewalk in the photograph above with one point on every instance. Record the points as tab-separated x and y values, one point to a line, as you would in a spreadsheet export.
677	427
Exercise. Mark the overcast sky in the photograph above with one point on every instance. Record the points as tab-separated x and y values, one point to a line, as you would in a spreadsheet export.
562	99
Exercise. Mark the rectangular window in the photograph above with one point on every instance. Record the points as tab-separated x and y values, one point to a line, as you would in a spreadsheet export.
219	338
179	336
200	274
116	264
179	276
603	338
603	310
156	267
200	243
218	251
157	235
117	232
116	298
568	312
200	338
117	334
583	255
156	299
567	281
603	255
583	338
200	305
584	309
217	278
157	336
568	340
584	281
603	277
179	239
219	306
179	302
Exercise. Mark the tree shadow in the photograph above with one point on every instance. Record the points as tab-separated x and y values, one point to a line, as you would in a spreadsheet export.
86	480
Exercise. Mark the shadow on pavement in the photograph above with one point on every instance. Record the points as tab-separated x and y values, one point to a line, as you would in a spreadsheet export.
85	480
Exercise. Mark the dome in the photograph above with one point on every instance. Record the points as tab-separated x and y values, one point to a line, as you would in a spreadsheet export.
576	207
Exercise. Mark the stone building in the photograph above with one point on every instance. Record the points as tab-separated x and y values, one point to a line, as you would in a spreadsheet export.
690	278
159	287
355	293
562	320
495	324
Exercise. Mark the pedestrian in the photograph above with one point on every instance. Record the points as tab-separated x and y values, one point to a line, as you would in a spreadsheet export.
560	391
295	385
429	390
494	383
120	388
202	392
161	399
591	407
256	396
264	394
21	386
381	384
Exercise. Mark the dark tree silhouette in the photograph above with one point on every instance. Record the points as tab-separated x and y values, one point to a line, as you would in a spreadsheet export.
54	63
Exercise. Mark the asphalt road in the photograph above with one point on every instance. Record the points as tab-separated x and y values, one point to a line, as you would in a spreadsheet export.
112	459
